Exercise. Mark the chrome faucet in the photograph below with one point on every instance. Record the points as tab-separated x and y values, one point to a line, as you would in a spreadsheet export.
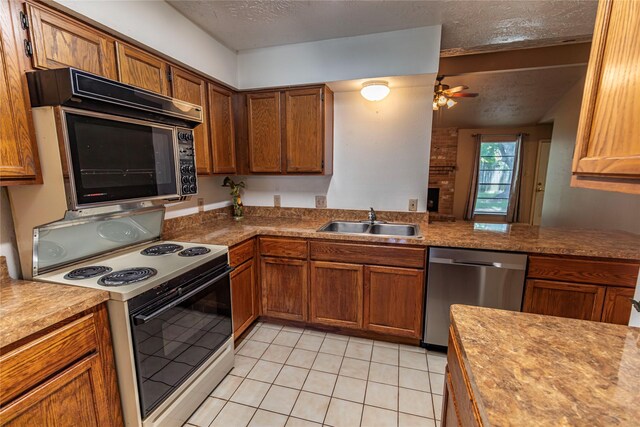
372	216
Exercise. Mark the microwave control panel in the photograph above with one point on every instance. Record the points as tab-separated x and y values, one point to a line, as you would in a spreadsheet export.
186	151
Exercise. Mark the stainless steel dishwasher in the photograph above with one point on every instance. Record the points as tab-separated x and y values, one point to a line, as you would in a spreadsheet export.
471	277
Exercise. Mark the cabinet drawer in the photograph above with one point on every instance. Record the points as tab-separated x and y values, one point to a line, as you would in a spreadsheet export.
287	248
31	364
241	252
584	271
367	254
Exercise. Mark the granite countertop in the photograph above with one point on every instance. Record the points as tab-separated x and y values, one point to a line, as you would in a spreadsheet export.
526	369
27	307
223	230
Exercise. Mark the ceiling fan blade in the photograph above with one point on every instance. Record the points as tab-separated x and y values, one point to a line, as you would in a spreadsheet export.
457	89
464	95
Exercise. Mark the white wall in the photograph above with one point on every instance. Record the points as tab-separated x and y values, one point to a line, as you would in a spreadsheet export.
161	27
394	53
381	157
7	236
210	189
566	206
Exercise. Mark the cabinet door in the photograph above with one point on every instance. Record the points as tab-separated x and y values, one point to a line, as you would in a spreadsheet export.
18	150
138	68
244	297
393	300
577	301
304	127
617	305
60	42
191	88
607	144
223	138
265	145
284	288
336	294
74	397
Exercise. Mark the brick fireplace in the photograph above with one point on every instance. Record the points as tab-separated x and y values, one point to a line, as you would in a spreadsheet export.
442	171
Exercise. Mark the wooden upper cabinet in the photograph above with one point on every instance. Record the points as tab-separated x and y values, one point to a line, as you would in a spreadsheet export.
336	294
141	69
304	130
617	305
188	87
265	144
18	149
223	138
577	301
607	153
59	41
393	300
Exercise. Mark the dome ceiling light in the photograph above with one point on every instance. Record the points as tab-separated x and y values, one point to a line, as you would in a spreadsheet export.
375	90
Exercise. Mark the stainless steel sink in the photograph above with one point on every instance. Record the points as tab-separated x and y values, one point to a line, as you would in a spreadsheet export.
345	227
378	228
407	230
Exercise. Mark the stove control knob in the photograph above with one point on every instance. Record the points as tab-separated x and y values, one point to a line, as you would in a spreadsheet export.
191	169
185	189
192	179
184	169
192	189
185	179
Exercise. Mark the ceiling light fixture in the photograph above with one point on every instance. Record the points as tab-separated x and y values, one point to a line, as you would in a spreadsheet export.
375	90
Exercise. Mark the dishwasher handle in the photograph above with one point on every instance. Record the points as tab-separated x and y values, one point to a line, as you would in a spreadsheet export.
480	264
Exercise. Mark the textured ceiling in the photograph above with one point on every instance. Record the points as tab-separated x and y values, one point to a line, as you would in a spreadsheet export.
507	98
242	24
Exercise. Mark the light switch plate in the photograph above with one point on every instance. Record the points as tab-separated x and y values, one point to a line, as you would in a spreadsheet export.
321	202
413	205
200	204
276	200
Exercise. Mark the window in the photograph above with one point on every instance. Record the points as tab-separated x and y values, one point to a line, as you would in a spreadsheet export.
495	177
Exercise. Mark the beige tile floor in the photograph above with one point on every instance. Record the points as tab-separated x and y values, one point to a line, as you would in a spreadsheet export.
287	376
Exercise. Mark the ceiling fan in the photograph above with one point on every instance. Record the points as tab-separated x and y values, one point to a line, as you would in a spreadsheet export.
443	94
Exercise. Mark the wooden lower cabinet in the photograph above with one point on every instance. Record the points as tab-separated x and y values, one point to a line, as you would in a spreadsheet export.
284	288
244	297
63	377
617	305
562	299
336	294
393	300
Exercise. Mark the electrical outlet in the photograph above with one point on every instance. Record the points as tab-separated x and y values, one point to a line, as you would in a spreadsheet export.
276	200
413	205
200	204
321	202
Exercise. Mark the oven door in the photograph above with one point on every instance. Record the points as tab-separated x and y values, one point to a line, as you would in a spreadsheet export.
113	159
174	336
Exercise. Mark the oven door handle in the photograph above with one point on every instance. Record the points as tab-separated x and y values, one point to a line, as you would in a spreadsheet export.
141	319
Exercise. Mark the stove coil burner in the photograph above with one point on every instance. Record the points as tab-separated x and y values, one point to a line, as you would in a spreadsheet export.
87	272
194	251
162	249
125	277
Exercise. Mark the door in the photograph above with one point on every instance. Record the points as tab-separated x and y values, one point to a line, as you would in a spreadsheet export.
393	300
191	88
336	294
607	152
284	288
244	297
18	151
265	145
617	305
577	301
138	68
304	124
60	42
223	138
542	163
74	397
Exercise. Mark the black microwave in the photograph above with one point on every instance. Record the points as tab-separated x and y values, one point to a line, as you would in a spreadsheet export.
118	144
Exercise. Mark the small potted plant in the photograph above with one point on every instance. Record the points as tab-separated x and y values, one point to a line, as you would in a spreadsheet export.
238	210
